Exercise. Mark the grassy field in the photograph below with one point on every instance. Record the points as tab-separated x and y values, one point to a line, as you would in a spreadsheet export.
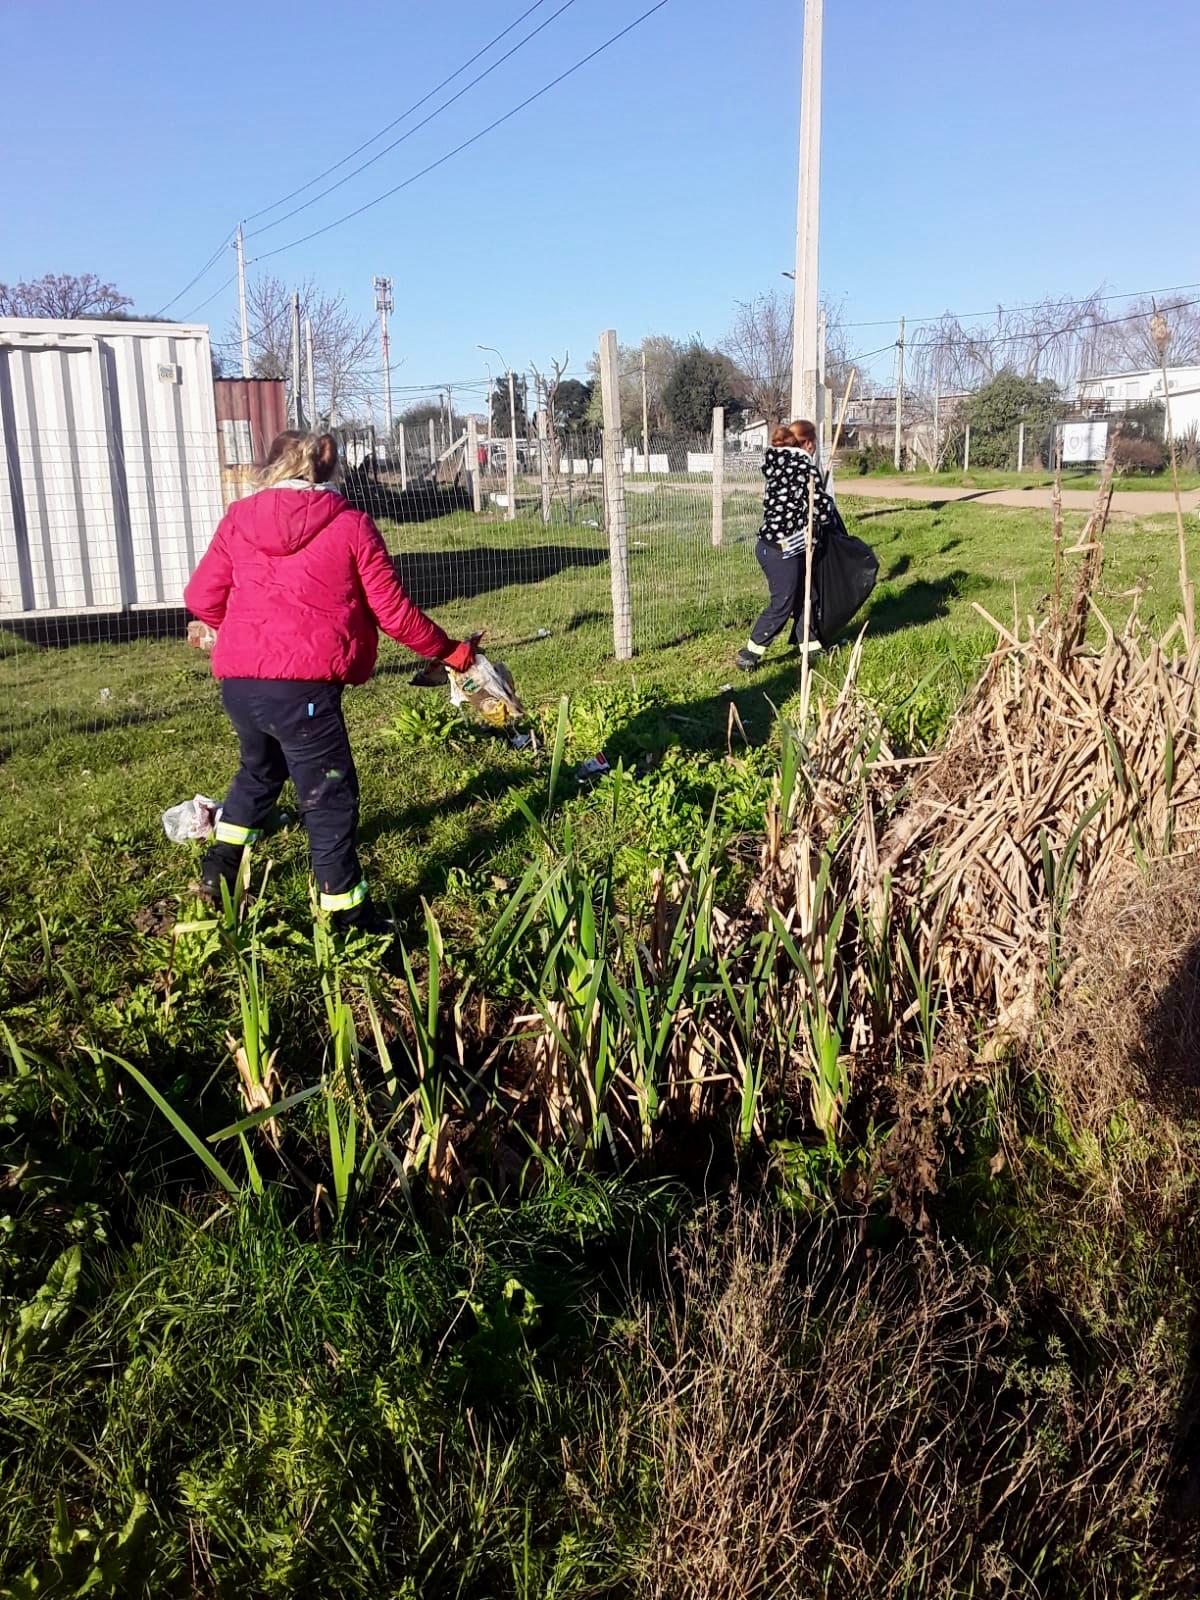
116	733
723	1367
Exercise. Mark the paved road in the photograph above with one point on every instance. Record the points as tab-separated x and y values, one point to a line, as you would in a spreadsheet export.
1133	502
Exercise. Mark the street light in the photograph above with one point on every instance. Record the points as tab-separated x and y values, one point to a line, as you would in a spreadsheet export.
510	475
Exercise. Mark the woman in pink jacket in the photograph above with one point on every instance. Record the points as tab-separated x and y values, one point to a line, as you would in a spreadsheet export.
297	584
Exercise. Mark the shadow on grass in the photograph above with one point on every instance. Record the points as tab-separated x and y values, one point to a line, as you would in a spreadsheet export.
1170	1060
436	577
926	600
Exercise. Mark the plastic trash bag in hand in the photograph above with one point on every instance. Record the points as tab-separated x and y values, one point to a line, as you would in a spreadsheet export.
191	819
201	637
487	688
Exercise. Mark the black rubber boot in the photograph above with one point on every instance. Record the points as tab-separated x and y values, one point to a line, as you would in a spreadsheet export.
748	660
221	864
364	918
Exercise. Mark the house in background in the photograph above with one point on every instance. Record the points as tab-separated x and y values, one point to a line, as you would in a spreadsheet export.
1110	393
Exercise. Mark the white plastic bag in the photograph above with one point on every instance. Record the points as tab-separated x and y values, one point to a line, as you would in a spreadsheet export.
191	819
487	687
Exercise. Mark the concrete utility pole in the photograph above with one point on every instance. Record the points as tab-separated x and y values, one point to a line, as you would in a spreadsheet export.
297	415
899	447
805	395
310	373
385	304
826	429
240	247
645	422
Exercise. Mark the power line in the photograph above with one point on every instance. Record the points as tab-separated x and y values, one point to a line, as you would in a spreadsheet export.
358	150
424	122
211	298
966	316
395	122
224	244
466	143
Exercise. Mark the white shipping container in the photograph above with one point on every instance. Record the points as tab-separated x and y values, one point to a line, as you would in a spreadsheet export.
110	486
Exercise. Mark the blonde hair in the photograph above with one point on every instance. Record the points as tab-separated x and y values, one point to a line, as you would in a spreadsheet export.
311	456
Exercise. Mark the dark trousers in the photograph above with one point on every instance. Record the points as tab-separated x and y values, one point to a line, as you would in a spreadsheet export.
297	730
785	608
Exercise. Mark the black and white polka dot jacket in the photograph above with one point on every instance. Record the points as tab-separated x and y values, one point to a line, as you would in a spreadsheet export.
790	474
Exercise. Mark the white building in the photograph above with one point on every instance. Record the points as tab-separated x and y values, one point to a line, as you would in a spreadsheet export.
1119	391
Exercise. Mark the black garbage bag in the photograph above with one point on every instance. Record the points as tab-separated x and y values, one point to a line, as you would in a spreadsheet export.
842	580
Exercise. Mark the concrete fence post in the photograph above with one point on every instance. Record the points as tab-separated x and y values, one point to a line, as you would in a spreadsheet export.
718	474
614	496
473	465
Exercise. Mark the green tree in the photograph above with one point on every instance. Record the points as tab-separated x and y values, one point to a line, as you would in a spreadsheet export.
571	401
702	380
996	411
500	422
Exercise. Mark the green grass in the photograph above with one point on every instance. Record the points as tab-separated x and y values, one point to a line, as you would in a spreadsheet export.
247	1399
100	739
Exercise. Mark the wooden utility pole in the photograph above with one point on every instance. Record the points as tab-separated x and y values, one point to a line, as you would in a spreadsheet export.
805	396
310	371
614	496
718	474
297	412
898	451
511	475
645	421
473	458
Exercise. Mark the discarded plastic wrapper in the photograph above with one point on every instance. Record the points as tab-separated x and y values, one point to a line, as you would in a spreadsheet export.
487	687
191	819
593	767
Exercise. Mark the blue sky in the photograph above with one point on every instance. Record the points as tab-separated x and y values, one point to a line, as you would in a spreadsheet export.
973	153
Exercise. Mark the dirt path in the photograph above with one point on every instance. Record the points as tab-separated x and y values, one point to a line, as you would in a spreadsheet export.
1132	502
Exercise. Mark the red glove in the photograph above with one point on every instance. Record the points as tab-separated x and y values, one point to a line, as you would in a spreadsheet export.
462	657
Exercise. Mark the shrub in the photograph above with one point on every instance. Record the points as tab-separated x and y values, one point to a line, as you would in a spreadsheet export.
867	458
1138	457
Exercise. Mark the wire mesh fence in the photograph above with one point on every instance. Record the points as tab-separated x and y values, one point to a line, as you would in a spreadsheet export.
98	539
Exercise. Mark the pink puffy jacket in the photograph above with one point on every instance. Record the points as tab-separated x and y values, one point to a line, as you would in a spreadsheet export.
298	585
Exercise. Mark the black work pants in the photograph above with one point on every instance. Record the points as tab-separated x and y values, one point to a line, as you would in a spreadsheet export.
785	580
297	730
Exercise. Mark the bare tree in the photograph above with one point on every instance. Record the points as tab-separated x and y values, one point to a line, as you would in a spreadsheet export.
662	354
63	294
1127	345
760	341
1049	339
344	349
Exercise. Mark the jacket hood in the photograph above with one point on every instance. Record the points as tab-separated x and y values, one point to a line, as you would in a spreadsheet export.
281	521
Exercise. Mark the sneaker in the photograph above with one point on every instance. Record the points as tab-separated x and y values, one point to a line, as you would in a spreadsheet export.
748	660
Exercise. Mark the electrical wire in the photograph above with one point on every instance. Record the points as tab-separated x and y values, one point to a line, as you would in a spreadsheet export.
416	128
395	122
466	143
224	245
966	316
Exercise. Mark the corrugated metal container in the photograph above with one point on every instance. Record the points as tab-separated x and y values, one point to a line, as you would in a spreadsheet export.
110	488
250	412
